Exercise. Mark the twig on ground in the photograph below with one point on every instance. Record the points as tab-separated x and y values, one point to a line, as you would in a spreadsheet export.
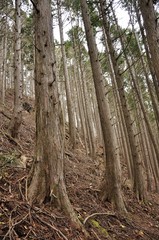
3	188
4	114
97	214
21	220
20	190
26	237
95	234
4	213
11	138
10	225
52	227
39	210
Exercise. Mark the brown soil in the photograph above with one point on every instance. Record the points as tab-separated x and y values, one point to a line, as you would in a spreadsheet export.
19	220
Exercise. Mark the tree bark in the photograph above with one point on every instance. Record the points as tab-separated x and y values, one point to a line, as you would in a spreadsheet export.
17	114
137	166
47	179
150	24
70	107
111	189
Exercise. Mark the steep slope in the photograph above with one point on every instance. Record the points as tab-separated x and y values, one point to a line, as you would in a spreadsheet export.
19	220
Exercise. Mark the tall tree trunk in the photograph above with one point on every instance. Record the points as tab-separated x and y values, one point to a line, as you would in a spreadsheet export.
17	115
154	102
149	59
112	186
135	85
70	107
80	95
138	172
150	24
5	39
47	179
120	116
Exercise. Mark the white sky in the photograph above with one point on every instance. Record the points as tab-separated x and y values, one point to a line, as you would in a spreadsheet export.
123	19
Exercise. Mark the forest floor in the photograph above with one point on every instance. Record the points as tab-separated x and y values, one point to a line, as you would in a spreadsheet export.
19	220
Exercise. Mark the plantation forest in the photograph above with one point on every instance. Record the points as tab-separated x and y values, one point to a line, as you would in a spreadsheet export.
79	119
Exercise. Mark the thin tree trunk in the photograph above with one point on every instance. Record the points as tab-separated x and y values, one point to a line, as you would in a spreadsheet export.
123	129
149	60
154	103
70	107
150	25
138	173
81	103
112	185
17	114
5	39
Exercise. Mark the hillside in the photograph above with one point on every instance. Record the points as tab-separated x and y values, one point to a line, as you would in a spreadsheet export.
19	220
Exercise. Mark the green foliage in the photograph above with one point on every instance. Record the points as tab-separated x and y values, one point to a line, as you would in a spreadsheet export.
74	5
94	15
76	34
132	49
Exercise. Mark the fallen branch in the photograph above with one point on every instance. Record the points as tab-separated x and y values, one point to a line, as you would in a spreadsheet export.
95	234
4	114
97	214
46	213
52	227
12	225
20	190
21	220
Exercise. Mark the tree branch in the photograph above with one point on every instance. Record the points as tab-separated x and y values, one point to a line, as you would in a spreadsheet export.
34	5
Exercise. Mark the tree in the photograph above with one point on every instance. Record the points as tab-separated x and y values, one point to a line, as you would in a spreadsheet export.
71	115
150	25
81	64
111	189
4	65
17	115
137	167
46	178
5	25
